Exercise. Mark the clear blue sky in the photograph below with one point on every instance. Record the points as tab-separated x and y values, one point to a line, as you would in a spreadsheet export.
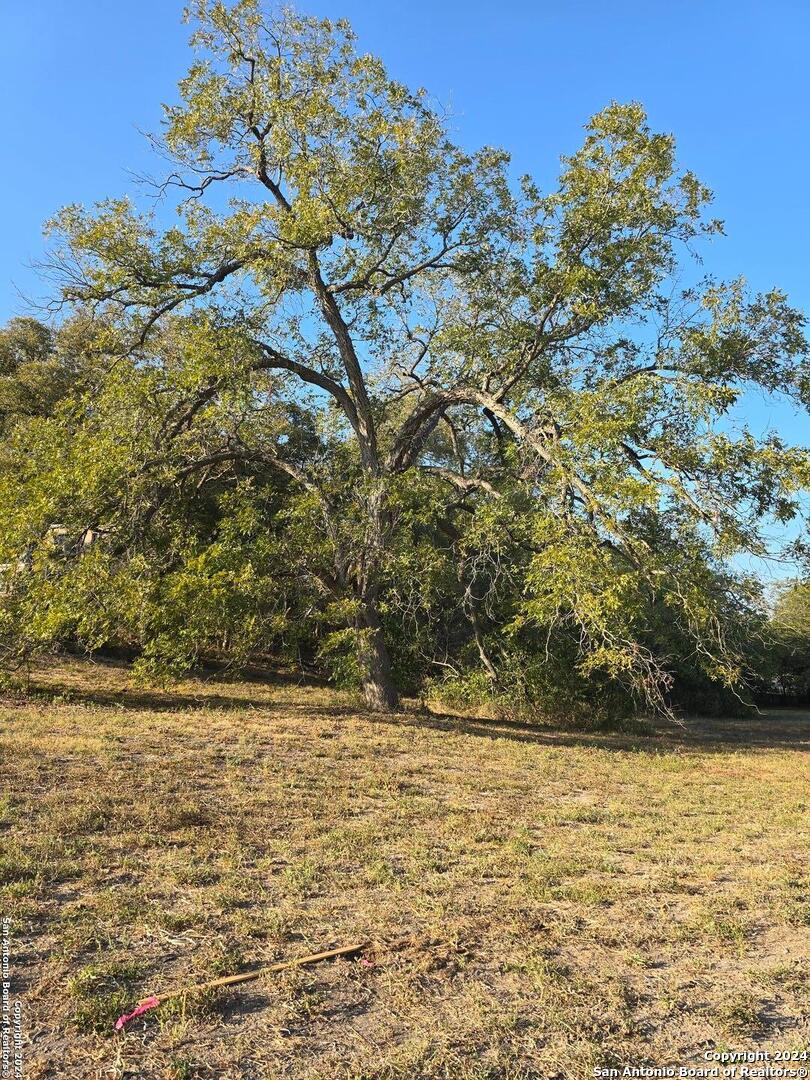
79	78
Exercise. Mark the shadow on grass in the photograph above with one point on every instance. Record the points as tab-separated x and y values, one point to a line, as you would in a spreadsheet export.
173	701
765	730
113	691
773	729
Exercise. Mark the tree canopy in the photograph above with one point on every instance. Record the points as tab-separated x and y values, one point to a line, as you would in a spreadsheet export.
369	391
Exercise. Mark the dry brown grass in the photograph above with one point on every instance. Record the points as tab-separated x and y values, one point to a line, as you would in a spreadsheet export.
542	903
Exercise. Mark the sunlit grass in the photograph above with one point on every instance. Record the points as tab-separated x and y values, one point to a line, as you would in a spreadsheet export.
540	903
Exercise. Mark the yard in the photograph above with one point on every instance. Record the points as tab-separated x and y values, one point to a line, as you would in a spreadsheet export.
539	902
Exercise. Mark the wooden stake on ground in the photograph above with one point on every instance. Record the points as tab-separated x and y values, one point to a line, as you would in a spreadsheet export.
154	1000
246	976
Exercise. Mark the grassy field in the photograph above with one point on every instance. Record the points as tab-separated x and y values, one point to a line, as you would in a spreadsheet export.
540	903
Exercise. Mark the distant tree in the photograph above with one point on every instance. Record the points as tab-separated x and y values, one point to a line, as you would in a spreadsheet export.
792	609
34	373
790	639
443	399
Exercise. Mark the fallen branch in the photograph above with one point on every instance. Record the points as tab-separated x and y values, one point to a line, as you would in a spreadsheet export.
154	1000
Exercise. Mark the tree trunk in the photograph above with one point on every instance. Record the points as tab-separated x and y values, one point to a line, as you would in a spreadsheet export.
379	688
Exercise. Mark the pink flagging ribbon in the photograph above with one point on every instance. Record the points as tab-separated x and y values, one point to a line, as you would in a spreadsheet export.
145	1006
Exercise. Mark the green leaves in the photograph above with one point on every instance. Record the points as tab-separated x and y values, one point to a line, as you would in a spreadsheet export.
347	372
608	233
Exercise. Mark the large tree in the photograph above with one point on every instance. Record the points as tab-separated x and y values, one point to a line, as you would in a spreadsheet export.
398	357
